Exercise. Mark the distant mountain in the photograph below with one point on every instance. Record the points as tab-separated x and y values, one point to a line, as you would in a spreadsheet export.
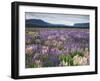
41	23
85	25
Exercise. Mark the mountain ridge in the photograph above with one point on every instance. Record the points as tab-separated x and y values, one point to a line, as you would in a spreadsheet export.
42	23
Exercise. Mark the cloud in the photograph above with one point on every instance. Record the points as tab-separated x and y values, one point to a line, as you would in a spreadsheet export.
67	19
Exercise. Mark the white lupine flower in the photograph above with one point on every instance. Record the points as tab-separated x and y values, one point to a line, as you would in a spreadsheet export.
79	60
50	37
64	63
38	63
84	61
62	38
45	49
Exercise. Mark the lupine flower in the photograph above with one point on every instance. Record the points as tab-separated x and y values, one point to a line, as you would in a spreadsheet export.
45	49
30	49
62	38
78	60
63	63
55	51
48	44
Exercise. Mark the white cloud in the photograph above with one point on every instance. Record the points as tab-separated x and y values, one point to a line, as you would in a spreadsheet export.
67	19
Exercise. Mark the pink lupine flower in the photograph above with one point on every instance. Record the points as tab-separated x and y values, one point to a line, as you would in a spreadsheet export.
29	50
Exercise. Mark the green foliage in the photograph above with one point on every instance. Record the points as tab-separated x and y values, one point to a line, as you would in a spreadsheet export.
69	58
61	48
66	58
44	58
32	66
77	53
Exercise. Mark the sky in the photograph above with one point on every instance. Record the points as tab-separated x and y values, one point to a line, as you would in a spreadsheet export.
66	19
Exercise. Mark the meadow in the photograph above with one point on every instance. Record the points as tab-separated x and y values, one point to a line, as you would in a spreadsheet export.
56	47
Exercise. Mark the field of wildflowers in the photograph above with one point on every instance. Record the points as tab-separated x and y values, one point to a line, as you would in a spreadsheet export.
56	47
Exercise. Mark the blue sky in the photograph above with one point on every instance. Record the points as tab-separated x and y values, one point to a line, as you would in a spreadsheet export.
67	19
